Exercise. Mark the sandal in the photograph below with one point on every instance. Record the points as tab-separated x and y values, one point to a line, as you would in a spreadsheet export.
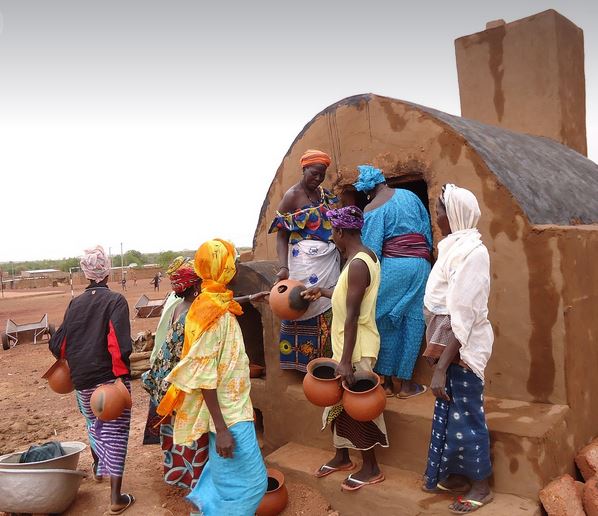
470	505
326	470
361	483
131	501
423	389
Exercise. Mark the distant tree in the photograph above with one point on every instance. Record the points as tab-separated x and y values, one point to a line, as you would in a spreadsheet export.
134	256
68	263
165	258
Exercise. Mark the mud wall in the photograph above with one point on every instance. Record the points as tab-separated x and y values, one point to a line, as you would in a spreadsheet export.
527	76
528	362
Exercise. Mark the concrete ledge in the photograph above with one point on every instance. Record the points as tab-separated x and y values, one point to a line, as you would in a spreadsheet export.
527	438
400	493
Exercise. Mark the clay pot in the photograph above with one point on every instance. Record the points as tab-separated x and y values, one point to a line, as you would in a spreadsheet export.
255	370
59	377
365	399
107	402
286	301
276	498
124	392
321	385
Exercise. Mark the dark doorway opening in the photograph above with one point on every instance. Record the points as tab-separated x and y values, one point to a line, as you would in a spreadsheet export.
418	187
253	334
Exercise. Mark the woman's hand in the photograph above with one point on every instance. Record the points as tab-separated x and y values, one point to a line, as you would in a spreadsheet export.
345	370
225	444
260	296
312	293
438	384
283	273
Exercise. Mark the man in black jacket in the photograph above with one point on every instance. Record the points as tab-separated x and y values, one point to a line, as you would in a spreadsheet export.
95	339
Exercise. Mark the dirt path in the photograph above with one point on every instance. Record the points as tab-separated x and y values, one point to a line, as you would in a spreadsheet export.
32	413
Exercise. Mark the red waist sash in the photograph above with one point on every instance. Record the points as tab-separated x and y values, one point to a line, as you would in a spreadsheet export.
410	245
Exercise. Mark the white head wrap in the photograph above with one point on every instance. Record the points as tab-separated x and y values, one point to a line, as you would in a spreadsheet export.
462	208
95	264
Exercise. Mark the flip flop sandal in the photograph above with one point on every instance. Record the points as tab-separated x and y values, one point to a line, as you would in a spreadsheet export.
326	470
131	501
361	483
471	505
424	389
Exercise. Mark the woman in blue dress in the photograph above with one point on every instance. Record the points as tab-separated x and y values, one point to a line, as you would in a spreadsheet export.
397	229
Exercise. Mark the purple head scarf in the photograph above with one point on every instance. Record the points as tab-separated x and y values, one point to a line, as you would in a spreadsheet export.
349	217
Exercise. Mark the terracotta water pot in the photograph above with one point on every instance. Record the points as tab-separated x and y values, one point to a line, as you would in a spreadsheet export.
276	498
286	300
107	402
321	385
256	370
122	388
365	399
59	377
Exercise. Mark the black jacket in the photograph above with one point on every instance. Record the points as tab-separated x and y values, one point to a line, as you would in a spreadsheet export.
95	337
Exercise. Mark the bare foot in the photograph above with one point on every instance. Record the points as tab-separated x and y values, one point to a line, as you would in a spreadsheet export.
479	492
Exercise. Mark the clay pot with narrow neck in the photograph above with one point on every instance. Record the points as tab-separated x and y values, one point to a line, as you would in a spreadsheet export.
321	385
122	388
286	300
59	377
107	402
276	498
365	400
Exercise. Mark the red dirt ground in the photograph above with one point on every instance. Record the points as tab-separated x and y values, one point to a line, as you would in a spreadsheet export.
32	413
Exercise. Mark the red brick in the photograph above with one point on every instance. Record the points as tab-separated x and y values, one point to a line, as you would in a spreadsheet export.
561	497
590	497
587	460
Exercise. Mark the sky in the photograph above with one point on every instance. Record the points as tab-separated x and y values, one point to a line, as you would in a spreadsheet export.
162	124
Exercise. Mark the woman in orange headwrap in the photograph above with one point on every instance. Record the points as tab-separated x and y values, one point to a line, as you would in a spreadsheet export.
306	253
210	391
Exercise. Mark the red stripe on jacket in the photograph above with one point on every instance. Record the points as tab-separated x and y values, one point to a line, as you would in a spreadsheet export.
63	348
118	366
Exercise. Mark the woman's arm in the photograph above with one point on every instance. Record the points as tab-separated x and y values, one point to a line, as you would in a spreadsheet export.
358	282
438	383
282	251
259	296
225	442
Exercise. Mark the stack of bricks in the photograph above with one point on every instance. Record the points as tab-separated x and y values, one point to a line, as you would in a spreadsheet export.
566	497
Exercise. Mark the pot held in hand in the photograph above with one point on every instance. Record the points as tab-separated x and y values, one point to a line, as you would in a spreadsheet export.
107	402
59	377
365	400
286	300
276	498
321	385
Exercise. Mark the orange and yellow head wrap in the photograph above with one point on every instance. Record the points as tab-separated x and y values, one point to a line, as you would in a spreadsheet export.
314	157
215	264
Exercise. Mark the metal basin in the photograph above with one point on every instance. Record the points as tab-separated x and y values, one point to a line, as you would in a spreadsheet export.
69	460
38	490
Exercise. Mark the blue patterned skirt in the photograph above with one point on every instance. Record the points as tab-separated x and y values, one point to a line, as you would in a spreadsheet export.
460	442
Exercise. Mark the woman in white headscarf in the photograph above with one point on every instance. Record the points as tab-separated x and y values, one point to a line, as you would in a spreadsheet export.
459	343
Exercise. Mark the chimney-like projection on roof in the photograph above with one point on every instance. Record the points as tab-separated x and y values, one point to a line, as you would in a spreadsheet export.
527	76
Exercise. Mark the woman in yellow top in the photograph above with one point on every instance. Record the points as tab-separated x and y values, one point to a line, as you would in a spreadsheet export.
355	345
210	392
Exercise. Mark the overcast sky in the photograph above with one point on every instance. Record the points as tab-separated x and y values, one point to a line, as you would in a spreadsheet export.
161	124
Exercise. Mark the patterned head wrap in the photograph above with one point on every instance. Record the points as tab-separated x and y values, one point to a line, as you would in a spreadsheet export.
314	157
349	217
95	264
183	278
215	265
177	263
368	178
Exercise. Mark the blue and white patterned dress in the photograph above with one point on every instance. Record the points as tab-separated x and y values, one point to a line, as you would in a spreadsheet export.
399	311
